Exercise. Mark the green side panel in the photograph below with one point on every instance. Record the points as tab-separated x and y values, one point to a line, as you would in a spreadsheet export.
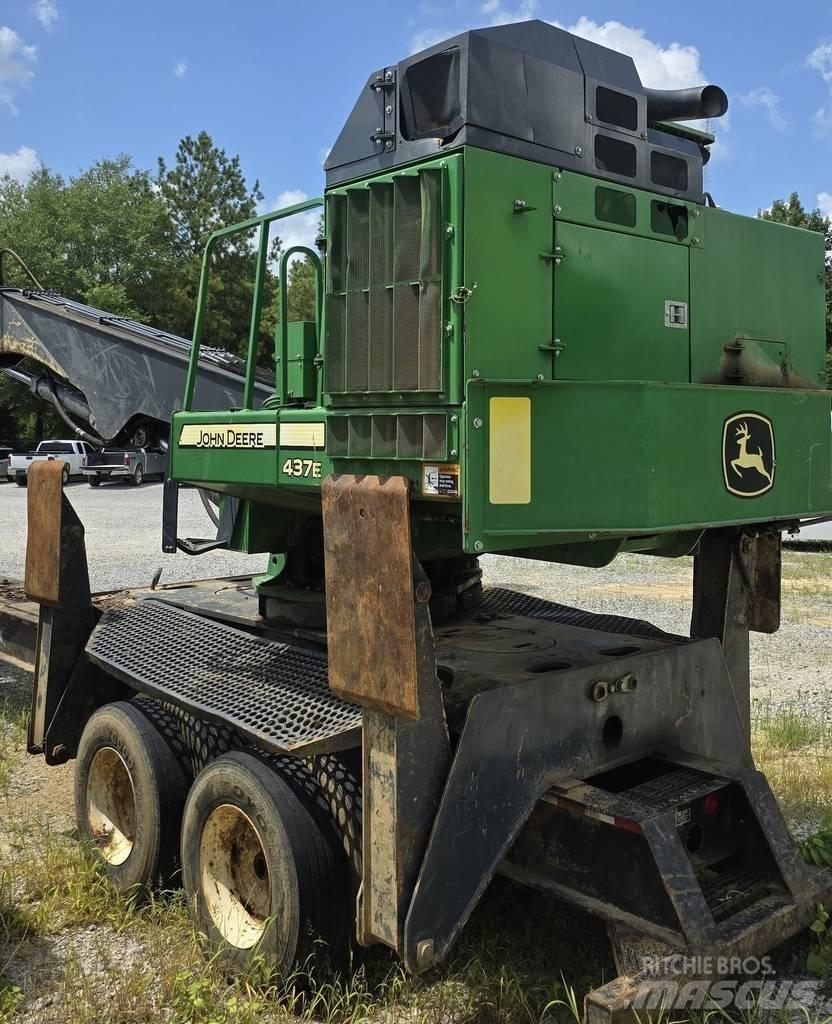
204	450
508	316
629	458
611	291
759	282
581	199
237	452
301	372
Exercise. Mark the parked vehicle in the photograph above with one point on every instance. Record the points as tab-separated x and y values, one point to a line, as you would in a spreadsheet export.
73	453
133	465
5	455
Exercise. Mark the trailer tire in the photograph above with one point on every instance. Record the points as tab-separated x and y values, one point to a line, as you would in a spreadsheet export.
130	790
137	477
264	874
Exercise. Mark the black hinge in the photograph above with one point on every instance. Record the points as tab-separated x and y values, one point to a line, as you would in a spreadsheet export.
383	83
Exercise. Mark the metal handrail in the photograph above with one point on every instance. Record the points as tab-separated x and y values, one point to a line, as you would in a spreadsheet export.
257	299
282	352
23	267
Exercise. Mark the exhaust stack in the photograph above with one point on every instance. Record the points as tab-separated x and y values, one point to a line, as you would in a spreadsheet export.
686	104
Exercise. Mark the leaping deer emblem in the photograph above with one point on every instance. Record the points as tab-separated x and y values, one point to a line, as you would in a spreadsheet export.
747	459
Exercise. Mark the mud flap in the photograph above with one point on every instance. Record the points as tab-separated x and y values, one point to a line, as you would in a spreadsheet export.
382	657
57	579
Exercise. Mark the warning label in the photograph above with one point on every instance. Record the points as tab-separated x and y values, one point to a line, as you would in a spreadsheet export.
441	481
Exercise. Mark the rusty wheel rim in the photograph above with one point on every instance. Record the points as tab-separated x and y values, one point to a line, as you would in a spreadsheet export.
234	876
111	806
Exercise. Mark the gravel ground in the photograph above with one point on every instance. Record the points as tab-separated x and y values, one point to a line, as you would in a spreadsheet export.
124	529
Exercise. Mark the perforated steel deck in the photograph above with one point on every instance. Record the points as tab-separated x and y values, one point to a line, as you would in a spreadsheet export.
511	602
274	694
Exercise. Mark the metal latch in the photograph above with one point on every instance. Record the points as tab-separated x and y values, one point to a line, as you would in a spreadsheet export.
555	347
557	256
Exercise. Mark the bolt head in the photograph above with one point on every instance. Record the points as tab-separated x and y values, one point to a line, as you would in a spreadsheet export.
389	76
558	210
425	954
388	109
454	418
579	151
477	423
475	373
540	376
389	145
695	241
478	545
454	453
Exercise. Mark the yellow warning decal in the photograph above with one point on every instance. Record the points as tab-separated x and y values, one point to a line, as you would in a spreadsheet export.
510	451
224	435
302	435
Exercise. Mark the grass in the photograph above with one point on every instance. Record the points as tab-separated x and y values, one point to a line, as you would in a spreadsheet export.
794	750
143	963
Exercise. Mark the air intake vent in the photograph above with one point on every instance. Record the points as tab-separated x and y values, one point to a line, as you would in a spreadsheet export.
384	286
406	436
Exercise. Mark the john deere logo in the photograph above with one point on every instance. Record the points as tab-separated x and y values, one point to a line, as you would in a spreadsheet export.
748	458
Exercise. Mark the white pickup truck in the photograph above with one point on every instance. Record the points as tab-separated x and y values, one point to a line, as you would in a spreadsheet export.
73	453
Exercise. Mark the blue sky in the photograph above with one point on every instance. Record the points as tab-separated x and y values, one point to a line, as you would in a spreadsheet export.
275	80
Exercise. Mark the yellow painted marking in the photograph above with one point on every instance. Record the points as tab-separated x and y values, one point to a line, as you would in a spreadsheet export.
302	435
510	451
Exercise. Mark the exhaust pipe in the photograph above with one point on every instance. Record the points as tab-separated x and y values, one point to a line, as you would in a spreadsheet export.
686	104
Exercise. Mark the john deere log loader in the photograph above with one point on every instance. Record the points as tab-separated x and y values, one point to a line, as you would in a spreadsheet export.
537	335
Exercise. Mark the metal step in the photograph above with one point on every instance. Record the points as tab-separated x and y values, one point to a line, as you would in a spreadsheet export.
274	694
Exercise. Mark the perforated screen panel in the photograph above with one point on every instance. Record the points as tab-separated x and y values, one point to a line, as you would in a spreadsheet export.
384	286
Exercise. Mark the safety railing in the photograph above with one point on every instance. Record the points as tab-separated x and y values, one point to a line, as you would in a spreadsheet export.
261	271
17	259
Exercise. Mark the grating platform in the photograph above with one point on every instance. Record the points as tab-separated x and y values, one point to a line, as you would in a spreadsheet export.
275	694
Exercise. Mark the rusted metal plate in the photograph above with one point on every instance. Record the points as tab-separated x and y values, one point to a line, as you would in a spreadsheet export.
371	623
43	544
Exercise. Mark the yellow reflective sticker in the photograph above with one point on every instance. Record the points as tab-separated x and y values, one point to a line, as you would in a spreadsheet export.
302	435
510	451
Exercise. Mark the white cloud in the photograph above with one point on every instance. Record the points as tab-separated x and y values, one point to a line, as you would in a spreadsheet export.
180	69
495	11
825	203
501	15
16	66
46	11
660	67
19	165
302	229
820	60
770	102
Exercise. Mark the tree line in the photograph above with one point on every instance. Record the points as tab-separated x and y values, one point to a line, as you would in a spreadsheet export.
130	241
